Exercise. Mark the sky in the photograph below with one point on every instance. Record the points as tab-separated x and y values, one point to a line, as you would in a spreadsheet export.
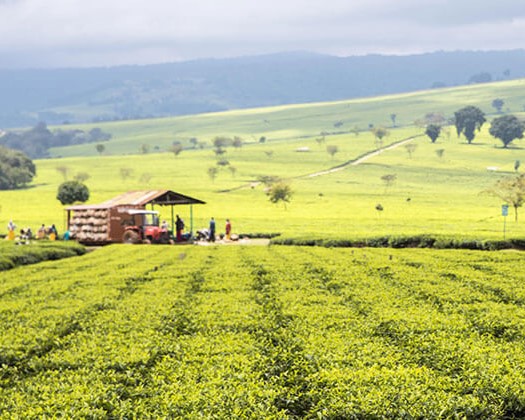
100	33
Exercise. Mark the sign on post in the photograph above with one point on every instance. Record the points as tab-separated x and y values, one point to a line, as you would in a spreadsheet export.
504	213
505	210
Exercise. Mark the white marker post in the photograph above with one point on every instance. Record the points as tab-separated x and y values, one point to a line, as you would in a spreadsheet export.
504	213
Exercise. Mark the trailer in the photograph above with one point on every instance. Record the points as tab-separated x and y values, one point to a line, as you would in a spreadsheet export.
105	223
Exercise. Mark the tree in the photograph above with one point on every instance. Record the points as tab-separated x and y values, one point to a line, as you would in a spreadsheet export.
194	142
237	142
144	149
498	104
63	170
511	190
145	178
482	77
100	148
262	139
16	169
433	131
176	148
81	176
517	165
440	153
280	192
507	128
410	148
431	118
389	180
332	149
379	133
393	118
467	120
70	192
126	173
212	172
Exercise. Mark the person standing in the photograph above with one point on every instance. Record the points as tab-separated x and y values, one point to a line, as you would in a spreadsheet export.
228	229
212	230
53	234
11	227
179	227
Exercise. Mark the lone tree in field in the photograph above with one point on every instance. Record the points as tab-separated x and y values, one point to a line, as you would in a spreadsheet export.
498	104
332	149
393	118
176	148
433	131
71	192
507	128
517	165
467	120
237	142
213	172
100	148
63	170
280	192
81	176
511	190
410	148
379	133
126	173
389	180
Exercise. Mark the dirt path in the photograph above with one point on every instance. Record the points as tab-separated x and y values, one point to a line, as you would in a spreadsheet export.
361	159
353	162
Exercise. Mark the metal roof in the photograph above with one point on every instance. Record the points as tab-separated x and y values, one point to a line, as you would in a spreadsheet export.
141	198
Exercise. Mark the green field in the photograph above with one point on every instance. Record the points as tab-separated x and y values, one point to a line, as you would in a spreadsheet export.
277	332
258	332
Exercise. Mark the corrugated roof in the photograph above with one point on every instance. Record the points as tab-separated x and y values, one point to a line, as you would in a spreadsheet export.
141	198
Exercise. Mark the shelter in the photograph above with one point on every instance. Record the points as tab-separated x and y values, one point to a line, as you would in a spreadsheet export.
104	222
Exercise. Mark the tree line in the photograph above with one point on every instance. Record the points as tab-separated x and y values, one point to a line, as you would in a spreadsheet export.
37	141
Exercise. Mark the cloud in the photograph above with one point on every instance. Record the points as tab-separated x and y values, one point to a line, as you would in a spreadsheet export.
102	32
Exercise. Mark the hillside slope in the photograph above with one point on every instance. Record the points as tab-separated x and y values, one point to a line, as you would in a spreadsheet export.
83	95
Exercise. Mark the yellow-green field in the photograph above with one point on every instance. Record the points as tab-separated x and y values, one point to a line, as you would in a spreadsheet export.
431	194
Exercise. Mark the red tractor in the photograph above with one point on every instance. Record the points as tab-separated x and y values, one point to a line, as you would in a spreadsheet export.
143	227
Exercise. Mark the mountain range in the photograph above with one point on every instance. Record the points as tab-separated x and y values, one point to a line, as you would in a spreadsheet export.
59	96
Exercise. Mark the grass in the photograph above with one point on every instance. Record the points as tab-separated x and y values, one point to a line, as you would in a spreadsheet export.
305	120
431	194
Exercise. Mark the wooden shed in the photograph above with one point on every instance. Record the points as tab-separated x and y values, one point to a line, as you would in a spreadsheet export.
105	222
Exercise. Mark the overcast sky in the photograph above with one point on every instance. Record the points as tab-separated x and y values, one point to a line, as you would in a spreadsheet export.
81	33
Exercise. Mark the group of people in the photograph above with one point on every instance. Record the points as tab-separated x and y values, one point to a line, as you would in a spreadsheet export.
179	229
202	234
212	227
27	234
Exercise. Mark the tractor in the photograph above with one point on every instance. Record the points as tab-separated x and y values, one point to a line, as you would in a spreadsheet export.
143	227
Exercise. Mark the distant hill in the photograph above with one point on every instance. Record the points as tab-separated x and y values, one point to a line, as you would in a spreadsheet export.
130	92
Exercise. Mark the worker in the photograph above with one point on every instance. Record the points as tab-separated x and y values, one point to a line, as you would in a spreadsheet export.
11	227
228	229
212	230
179	226
53	234
41	233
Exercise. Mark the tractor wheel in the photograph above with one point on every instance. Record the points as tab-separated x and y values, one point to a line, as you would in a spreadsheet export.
131	237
